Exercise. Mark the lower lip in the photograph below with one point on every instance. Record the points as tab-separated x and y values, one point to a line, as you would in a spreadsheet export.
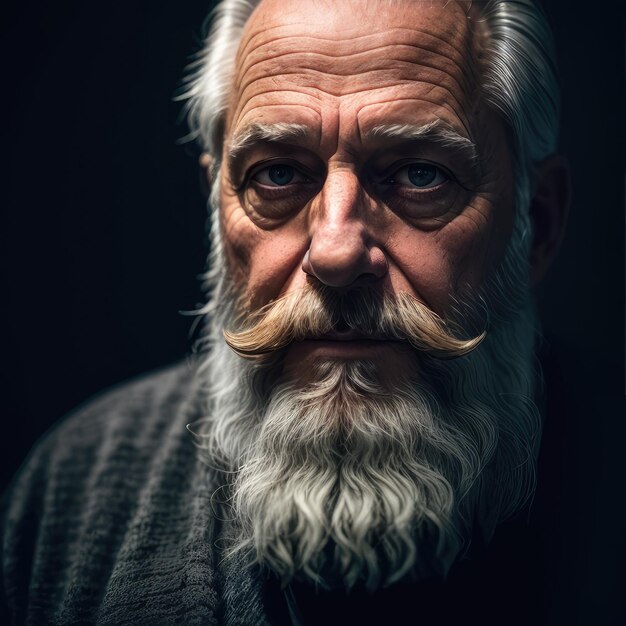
356	349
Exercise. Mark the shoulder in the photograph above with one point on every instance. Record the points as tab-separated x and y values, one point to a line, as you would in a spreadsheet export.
142	400
114	489
120	412
134	414
114	463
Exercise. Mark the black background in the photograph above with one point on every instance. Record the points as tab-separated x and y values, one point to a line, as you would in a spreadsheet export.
102	240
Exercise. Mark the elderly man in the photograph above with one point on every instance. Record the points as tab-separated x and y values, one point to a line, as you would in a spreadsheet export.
384	194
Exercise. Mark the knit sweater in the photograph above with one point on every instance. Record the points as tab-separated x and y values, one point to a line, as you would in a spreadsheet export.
111	519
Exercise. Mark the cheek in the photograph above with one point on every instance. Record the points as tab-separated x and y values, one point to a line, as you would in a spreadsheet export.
275	264
435	265
238	237
263	263
421	265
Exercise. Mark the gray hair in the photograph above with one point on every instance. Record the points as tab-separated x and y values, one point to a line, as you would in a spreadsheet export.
519	81
489	392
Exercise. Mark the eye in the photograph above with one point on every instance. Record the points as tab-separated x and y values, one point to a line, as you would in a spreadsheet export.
278	175
419	175
275	189
419	190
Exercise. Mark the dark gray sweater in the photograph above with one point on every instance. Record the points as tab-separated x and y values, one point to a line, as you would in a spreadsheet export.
111	519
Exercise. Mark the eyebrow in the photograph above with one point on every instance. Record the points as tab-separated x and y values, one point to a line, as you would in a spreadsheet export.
282	132
436	131
257	132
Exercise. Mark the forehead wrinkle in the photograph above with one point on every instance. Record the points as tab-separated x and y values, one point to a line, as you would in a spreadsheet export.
458	57
338	89
456	40
250	34
452	43
244	107
452	107
462	78
396	64
458	115
334	43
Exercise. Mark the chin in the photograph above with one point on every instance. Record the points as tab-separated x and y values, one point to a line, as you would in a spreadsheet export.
365	464
365	471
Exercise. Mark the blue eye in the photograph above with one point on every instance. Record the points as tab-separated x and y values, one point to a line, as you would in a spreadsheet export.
278	175
281	174
420	175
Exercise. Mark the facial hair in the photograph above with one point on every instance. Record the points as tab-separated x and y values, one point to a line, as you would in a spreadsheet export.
350	477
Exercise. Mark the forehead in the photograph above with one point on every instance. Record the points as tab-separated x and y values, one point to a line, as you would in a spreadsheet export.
356	64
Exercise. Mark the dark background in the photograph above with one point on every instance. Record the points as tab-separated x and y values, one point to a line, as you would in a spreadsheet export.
102	240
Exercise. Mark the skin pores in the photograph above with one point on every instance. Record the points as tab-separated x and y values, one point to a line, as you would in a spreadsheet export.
366	189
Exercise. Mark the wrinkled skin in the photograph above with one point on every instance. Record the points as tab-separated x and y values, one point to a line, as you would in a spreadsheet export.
350	213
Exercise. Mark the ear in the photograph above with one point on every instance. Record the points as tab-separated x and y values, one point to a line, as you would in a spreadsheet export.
549	208
206	162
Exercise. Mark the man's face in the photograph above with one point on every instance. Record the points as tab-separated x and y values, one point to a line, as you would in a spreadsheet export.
396	174
367	182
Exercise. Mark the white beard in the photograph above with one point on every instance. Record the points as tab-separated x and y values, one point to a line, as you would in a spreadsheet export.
344	481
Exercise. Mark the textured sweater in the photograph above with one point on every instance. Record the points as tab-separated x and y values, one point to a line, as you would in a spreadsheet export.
110	520
113	520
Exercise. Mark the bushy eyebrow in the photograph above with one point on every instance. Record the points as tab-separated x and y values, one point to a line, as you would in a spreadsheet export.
436	131
256	133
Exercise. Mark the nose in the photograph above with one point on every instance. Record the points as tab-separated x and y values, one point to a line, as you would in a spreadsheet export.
343	248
